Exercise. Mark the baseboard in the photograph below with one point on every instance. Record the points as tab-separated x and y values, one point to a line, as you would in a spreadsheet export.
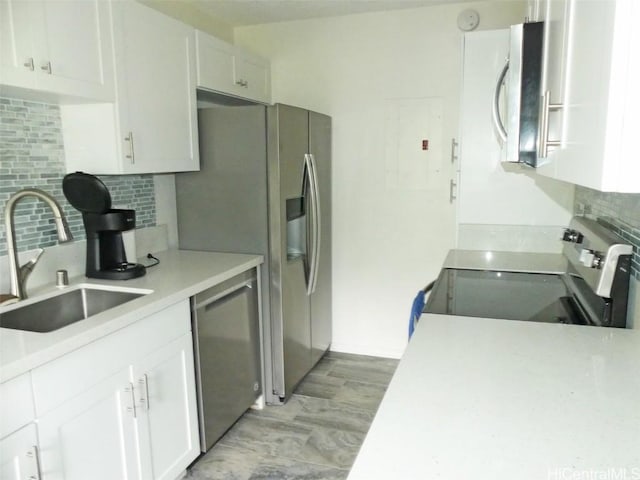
372	351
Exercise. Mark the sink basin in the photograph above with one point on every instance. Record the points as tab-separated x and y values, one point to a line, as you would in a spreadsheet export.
65	308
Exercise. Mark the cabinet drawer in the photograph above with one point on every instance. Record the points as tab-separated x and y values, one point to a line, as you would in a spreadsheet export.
16	404
75	372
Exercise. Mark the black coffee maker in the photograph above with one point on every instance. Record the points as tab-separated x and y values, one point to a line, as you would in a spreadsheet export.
106	257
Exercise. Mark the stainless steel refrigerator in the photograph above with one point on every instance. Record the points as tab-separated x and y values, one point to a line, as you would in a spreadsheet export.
265	187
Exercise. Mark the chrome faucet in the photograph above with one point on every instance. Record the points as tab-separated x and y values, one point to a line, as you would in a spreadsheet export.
18	274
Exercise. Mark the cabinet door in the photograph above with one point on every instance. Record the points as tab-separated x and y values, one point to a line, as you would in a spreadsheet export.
74	48
252	78
557	26
61	47
92	435
166	398
215	63
16	51
599	114
158	96
16	404
19	455
228	69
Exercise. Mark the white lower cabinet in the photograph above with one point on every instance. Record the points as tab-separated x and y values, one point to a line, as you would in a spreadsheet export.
18	436
19	455
135	417
92	435
166	409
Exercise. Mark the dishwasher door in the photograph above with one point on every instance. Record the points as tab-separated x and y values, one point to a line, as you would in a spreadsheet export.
227	350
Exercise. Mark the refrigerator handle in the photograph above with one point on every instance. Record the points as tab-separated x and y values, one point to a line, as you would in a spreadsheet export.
495	112
313	233
317	222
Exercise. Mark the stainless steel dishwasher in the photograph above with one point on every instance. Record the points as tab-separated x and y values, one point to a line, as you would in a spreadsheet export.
226	335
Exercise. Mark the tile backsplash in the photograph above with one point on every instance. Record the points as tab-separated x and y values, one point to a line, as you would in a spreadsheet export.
32	155
622	210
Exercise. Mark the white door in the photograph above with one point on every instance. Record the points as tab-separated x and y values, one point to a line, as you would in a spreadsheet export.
92	436
165	394
158	93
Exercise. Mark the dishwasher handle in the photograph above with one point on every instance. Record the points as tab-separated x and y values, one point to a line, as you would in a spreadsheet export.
221	295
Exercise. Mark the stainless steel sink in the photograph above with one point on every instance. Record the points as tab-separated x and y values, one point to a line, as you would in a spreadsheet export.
65	308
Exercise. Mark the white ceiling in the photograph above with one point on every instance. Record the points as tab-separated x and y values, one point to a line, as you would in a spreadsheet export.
252	12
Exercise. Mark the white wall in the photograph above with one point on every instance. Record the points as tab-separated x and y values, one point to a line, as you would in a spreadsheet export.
390	234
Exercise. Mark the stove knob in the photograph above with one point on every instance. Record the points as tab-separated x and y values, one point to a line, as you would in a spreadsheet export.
598	260
572	236
591	258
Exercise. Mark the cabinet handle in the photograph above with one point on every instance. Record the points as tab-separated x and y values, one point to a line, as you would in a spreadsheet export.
452	186
144	383
34	455
545	108
46	67
29	64
131	156
242	83
132	408
454	144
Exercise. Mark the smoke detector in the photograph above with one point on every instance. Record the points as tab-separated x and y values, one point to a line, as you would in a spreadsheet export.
468	20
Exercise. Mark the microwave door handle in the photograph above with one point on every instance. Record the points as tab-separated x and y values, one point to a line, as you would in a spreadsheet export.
311	192
495	112
317	223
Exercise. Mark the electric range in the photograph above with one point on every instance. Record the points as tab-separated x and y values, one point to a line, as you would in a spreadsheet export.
586	284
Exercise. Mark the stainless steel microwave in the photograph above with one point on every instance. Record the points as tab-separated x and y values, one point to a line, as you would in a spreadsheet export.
520	81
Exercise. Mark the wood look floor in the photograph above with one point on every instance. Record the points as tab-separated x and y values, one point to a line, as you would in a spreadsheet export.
315	435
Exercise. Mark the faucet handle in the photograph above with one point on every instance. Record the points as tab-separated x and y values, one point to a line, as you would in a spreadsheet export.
28	267
25	270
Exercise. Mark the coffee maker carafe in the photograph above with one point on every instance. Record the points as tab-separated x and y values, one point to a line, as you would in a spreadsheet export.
106	256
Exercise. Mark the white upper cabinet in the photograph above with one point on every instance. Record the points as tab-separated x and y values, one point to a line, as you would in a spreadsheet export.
214	63
63	48
225	68
591	70
151	128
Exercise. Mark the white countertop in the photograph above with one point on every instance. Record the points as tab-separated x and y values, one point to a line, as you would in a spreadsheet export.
180	275
497	399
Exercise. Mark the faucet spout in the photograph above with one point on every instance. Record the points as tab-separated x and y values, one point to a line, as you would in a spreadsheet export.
18	275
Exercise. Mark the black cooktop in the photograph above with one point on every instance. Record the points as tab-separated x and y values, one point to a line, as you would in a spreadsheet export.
536	297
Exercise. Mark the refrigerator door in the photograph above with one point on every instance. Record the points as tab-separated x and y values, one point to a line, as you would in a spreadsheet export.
320	149
290	308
